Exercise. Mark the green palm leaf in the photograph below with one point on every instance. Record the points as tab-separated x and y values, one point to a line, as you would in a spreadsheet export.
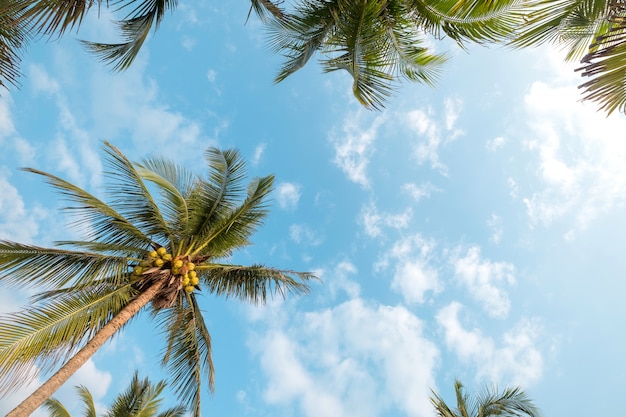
134	30
56	408
253	283
28	266
49	331
232	230
511	402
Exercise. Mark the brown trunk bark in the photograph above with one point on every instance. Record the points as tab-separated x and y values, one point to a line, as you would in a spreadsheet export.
37	398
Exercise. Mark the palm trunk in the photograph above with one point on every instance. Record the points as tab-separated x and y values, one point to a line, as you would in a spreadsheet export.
37	398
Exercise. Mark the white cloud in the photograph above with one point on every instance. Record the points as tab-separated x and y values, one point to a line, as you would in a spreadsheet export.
288	195
88	375
354	148
17	223
373	221
338	279
354	359
413	276
211	75
515	359
495	224
258	153
495	143
302	233
7	128
580	155
424	123
482	278
418	192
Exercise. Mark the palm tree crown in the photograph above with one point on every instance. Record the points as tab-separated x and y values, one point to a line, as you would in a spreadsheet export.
593	32
159	240
511	402
379	42
142	398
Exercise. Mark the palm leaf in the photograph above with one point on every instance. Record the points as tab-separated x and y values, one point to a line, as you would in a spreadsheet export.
188	352
100	220
89	407
130	196
253	283
49	332
56	408
232	230
27	265
134	30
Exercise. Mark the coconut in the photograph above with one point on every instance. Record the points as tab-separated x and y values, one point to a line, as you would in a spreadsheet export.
194	280
158	263
161	251
178	263
189	289
191	266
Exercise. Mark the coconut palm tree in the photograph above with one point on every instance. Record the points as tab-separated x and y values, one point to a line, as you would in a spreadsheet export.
512	402
161	239
593	32
379	42
24	20
141	399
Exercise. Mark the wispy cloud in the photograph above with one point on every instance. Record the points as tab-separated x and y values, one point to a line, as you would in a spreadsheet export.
304	234
515	359
374	221
349	360
561	129
436	133
288	195
483	279
419	192
413	275
354	146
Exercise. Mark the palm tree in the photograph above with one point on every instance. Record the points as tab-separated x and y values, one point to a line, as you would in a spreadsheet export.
380	42
593	32
161	239
141	399
512	402
23	20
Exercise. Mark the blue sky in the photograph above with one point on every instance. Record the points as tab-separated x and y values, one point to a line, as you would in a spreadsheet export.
473	230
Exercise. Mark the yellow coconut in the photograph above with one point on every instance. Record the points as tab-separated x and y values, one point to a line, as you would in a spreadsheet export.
178	263
161	251
158	263
191	266
194	280
189	288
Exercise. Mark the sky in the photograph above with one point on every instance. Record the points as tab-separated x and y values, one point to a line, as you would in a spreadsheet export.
473	230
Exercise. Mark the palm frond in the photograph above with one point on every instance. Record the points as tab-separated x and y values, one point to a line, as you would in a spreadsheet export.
56	408
471	20
140	399
134	30
232	230
441	408
252	283
100	221
187	355
50	17
570	24
173	204
14	37
299	36
510	402
47	333
89	407
130	196
27	265
266	9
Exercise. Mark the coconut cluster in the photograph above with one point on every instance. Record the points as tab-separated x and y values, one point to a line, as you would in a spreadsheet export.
180	267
